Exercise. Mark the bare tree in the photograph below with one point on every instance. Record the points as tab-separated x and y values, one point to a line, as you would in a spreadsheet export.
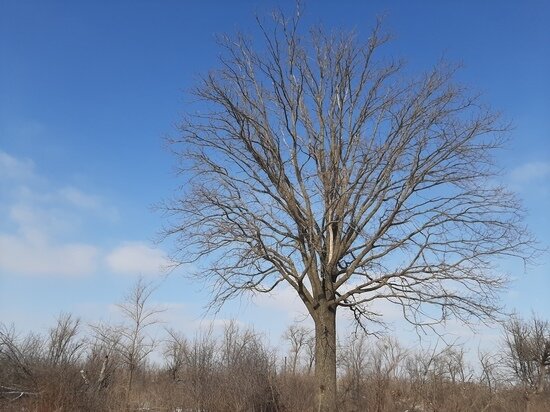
19	358
385	359
353	358
176	351
104	355
200	366
528	351
310	352
490	365
136	345
490	369
63	347
298	338
314	162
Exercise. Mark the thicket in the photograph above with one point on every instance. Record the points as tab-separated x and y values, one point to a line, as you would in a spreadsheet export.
100	367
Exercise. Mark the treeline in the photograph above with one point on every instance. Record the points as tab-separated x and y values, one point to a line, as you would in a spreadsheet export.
111	368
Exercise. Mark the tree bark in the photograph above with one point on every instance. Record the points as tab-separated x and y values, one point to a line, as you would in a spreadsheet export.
541	376
325	358
129	387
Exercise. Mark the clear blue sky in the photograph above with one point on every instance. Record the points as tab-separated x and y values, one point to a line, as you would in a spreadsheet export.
88	89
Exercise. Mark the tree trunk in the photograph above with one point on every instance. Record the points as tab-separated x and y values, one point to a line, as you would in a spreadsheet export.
325	358
129	387
541	375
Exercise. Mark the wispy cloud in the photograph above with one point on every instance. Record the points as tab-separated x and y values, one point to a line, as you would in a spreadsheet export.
80	199
83	200
12	168
47	229
530	172
41	233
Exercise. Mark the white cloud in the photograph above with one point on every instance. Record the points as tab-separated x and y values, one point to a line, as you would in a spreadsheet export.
13	168
530	172
32	249
137	258
36	255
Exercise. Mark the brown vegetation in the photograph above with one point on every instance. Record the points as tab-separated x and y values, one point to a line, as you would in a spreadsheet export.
237	371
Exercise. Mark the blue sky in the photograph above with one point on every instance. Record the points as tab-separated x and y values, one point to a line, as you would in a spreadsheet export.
88	90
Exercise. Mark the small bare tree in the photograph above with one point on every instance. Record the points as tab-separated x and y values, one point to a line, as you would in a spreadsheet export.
528	351
315	163
385	360
298	337
176	350
200	367
136	345
490	370
104	356
353	360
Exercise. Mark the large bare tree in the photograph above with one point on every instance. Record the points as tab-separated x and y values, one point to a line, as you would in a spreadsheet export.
312	161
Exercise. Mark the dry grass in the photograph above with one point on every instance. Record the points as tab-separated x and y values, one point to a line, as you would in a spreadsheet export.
237	371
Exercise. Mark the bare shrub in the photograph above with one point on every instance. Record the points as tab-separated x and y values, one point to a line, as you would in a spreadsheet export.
247	370
45	373
237	371
295	392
